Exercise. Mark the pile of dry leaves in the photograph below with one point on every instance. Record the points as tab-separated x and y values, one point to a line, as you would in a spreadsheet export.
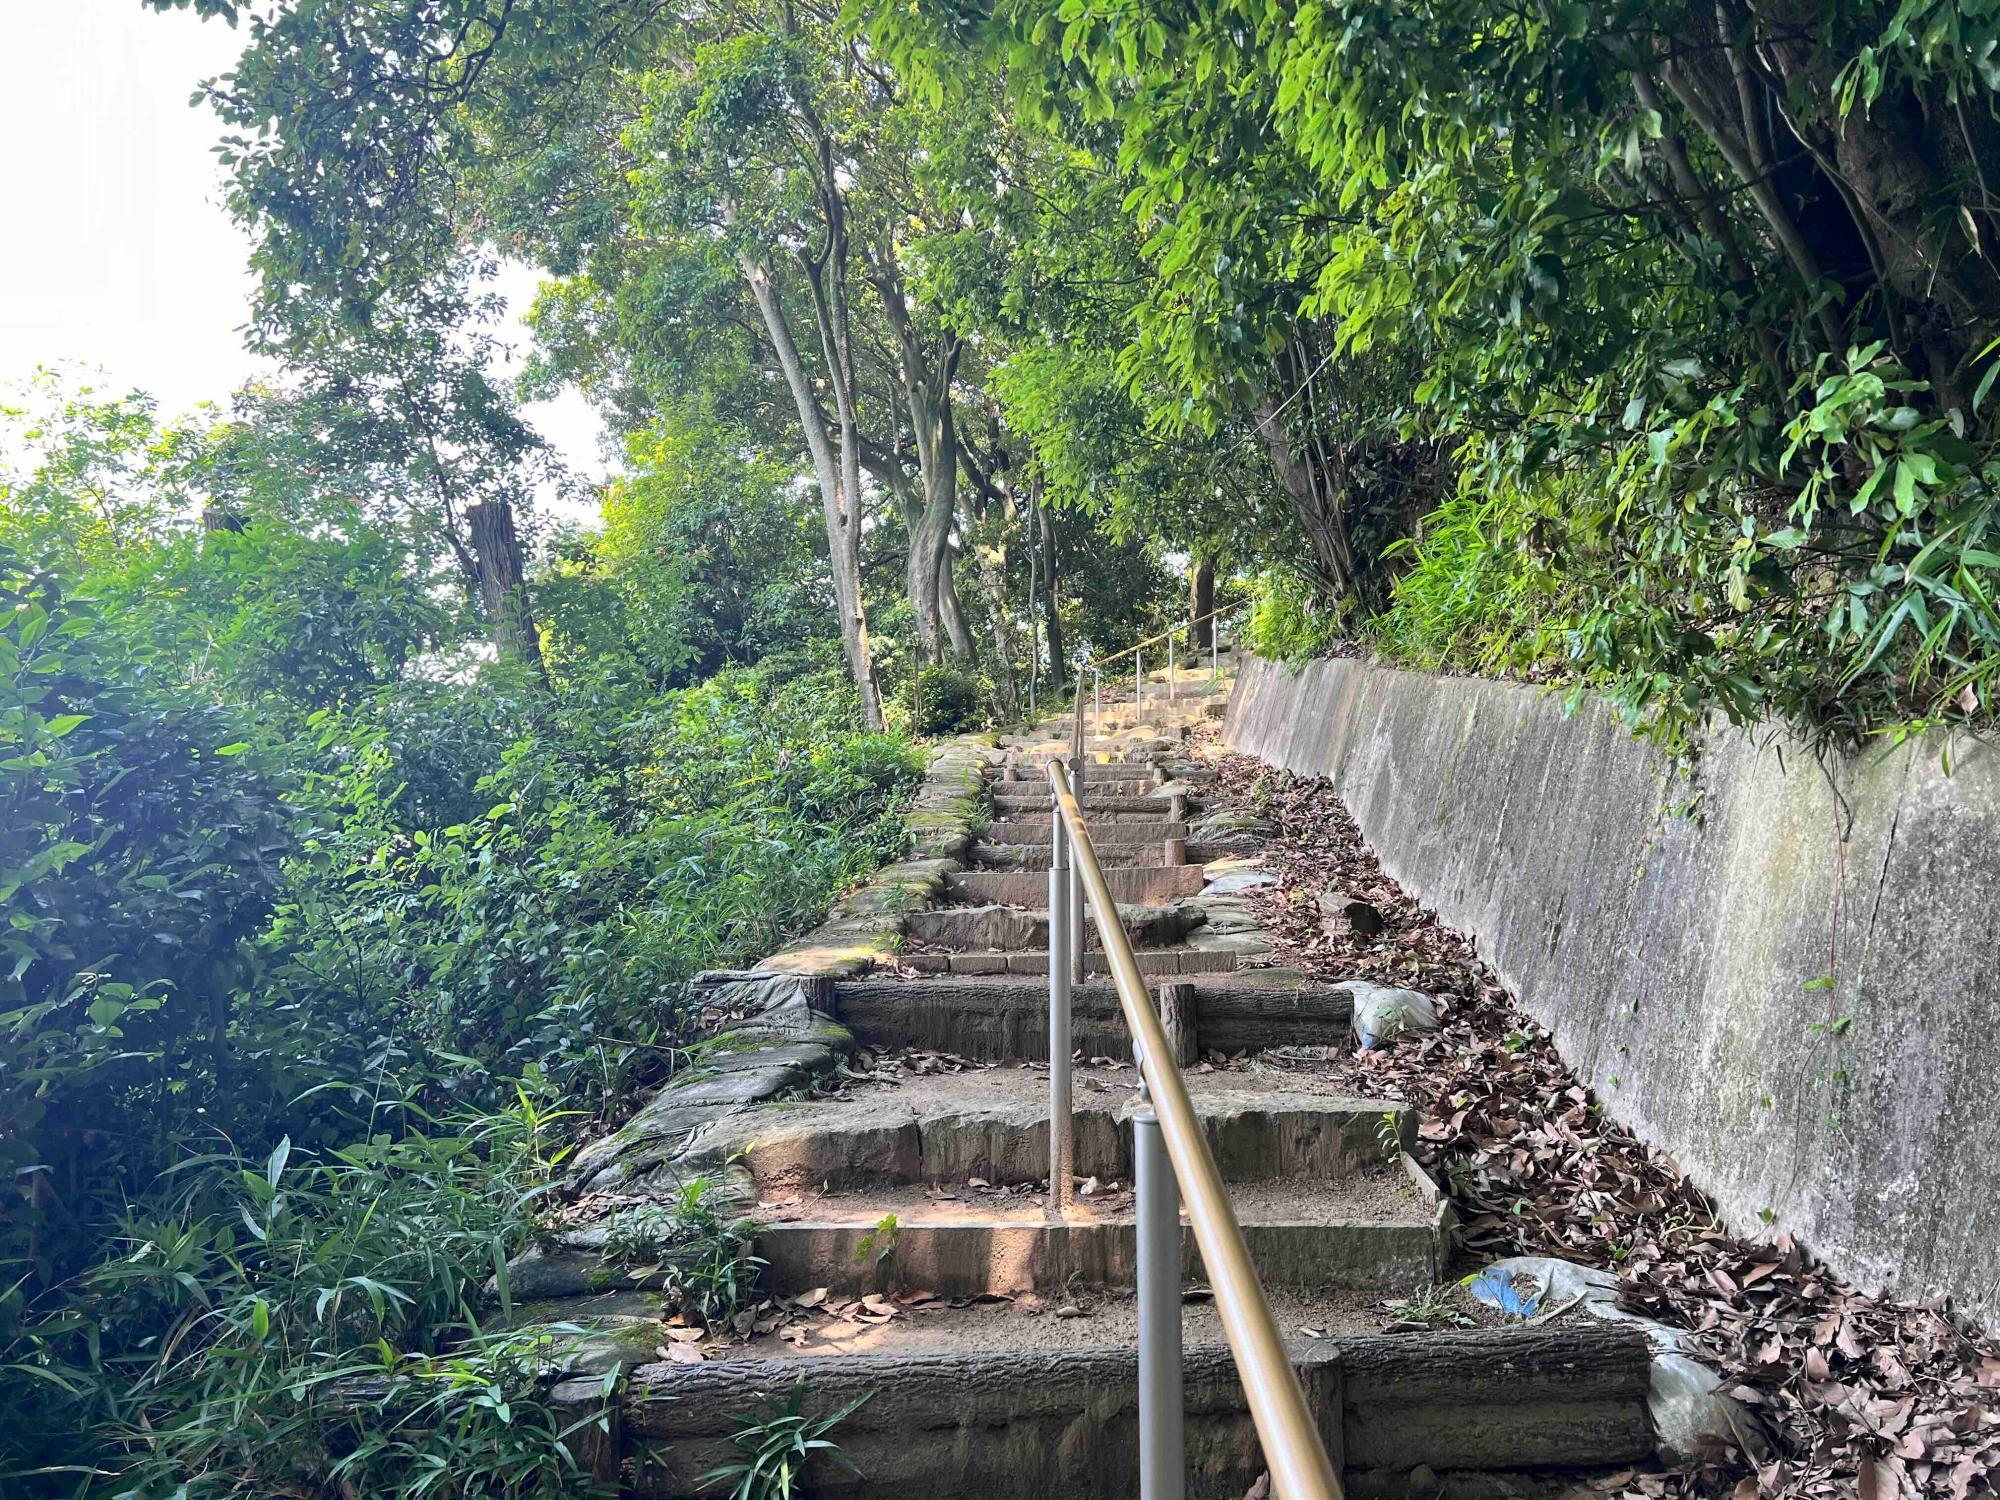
1866	1396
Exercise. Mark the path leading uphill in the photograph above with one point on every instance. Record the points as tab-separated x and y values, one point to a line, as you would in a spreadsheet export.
877	1102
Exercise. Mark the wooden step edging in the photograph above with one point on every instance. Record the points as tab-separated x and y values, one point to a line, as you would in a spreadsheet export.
1474	1408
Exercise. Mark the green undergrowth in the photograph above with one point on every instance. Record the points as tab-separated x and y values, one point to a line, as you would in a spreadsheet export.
305	1000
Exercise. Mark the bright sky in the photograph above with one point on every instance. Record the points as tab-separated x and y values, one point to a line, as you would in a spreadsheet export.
116	251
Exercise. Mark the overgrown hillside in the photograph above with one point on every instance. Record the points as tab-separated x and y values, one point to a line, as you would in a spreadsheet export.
328	934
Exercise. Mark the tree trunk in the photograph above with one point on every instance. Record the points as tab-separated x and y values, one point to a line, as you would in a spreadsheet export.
926	377
842	540
992	573
1051	583
964	647
1201	600
1318	512
503	585
1034	547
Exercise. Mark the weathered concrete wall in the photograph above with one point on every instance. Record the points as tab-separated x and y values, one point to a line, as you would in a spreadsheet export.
1681	963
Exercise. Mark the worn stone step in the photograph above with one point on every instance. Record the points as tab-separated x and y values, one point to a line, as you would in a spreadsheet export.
1028	829
944	1129
1377	1231
1118	805
1153	961
974	1407
1036	856
1054	1413
1138	741
1035	789
1110	855
1130	885
1135	756
1013	929
997	1016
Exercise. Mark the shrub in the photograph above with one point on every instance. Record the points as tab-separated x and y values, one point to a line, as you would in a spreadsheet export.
949	701
1290	621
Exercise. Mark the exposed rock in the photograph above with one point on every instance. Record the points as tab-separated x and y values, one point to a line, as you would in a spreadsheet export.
1227	913
782	1044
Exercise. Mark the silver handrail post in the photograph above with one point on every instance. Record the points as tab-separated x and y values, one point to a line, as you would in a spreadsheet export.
1097	699
1214	649
1059	998
1171	696
1162	1405
1138	682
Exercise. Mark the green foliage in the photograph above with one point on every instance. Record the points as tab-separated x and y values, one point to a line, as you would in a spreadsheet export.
1290	620
711	557
274	1325
707	1270
949	700
139	852
1717	404
309	910
776	1446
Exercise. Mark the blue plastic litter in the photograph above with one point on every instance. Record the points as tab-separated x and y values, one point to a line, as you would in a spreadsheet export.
1497	1289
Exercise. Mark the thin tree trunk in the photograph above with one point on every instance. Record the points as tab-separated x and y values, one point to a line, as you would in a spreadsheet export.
503	583
1051	583
926	382
1033	544
1319	516
992	573
964	647
842	539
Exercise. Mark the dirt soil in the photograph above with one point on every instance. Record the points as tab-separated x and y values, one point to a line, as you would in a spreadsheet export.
916	1323
1383	1196
1868	1397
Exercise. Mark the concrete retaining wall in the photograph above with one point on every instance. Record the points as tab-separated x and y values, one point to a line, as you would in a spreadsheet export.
1682	963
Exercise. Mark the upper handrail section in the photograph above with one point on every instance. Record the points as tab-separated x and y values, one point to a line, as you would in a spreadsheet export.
1099	663
1293	1448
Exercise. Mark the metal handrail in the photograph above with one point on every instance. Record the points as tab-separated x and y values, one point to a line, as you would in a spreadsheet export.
1293	1449
1099	663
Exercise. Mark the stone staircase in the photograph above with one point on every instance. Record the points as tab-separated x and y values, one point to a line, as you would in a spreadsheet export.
879	1105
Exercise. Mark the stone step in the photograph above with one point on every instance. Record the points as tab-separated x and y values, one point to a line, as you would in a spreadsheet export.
944	1129
1130	885
998	1016
1035	788
1154	961
1033	776
1105	804
1036	856
1014	930
1007	1405
1382	1231
1059	738
1110	855
1035	830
